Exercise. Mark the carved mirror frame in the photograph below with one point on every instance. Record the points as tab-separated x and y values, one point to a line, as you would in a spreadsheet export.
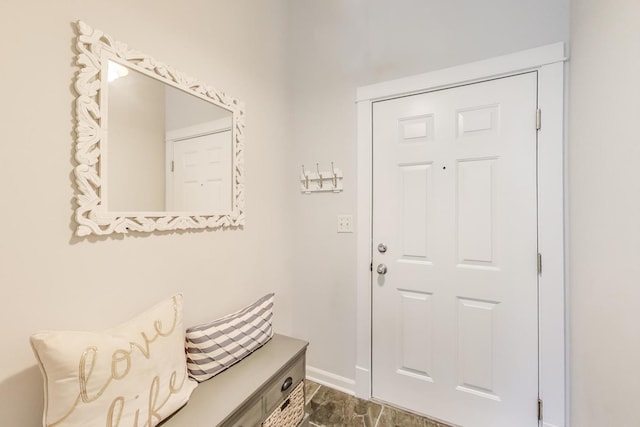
93	49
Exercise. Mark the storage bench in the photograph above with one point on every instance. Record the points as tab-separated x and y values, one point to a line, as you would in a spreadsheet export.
257	389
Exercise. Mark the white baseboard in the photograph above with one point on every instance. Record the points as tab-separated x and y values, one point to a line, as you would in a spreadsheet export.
334	381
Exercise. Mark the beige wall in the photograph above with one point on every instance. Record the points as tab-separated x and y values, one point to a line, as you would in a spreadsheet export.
50	279
604	212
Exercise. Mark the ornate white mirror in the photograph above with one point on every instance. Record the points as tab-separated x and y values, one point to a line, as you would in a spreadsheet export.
155	149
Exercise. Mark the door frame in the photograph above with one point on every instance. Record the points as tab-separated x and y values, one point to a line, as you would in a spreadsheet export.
548	61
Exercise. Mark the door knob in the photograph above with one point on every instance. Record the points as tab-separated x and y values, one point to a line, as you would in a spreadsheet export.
382	248
382	269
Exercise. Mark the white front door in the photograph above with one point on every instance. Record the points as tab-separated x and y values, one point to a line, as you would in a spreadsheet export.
455	320
201	178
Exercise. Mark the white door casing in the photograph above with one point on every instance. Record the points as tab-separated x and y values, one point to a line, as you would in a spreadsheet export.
548	61
455	315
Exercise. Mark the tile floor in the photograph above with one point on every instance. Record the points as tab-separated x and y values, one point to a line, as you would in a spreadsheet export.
330	408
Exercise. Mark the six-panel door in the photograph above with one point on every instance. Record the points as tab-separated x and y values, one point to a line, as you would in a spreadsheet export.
454	200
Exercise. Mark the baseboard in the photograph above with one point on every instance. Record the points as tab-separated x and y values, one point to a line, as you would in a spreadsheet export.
334	381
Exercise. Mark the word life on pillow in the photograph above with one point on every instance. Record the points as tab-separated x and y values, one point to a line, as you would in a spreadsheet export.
134	374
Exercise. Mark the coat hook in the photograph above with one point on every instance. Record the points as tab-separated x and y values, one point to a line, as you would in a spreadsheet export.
319	174
306	178
335	176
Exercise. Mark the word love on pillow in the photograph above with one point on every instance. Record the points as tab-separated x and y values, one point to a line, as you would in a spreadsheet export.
132	375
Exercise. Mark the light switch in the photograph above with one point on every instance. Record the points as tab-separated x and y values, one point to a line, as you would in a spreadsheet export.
345	224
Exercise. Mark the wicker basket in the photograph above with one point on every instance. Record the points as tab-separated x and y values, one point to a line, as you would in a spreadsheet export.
290	412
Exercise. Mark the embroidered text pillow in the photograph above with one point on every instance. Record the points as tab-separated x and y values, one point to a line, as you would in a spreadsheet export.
132	375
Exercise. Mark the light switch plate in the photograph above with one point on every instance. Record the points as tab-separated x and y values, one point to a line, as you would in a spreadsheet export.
345	224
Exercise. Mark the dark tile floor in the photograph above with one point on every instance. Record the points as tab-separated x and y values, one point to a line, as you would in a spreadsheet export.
331	408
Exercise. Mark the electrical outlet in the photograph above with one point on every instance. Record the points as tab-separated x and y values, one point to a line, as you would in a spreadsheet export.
345	224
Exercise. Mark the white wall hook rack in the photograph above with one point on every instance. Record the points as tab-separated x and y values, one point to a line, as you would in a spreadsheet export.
313	182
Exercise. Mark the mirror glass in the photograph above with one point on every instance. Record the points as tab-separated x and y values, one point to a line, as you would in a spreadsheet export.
167	150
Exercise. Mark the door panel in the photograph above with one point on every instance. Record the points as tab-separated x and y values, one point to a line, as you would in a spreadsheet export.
476	210
201	178
454	200
416	179
415	356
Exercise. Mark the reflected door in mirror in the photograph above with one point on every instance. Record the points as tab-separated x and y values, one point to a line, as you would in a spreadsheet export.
201	174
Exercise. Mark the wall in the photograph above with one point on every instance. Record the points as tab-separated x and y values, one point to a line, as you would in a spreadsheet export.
604	208
51	280
336	46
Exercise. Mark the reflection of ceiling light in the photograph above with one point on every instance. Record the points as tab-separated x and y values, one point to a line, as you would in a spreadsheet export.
115	71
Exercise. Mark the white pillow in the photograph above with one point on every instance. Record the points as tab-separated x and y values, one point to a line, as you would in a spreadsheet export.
132	375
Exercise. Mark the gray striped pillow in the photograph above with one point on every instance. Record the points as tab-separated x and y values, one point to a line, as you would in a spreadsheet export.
213	347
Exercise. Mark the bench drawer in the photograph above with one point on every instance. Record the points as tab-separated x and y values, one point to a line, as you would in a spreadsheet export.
284	385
